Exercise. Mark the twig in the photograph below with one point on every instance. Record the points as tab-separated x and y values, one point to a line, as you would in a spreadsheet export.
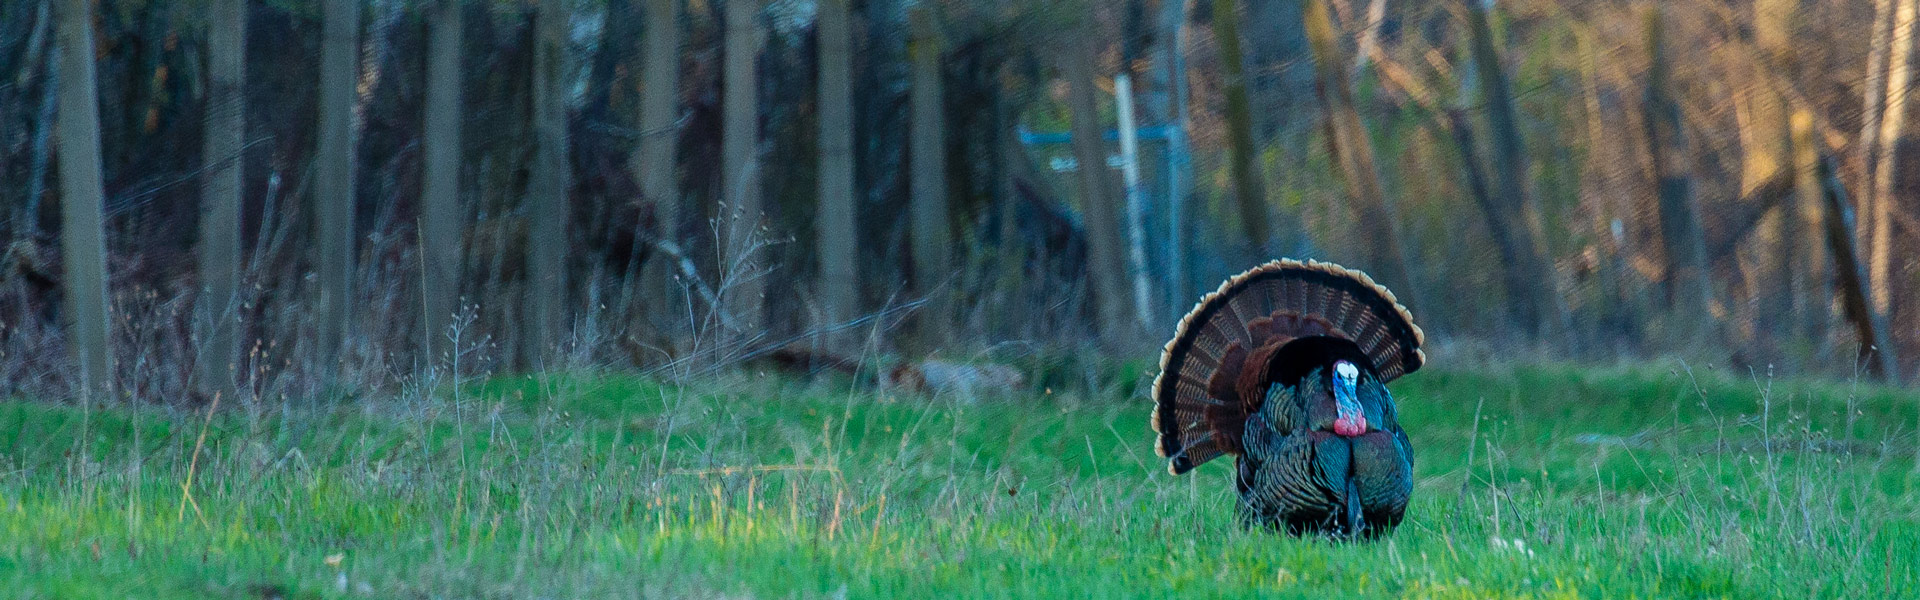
692	273
1471	438
193	466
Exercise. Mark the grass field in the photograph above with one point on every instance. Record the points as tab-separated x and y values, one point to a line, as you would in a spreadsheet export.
1571	483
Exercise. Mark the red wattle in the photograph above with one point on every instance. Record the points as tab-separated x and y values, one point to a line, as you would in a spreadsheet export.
1352	427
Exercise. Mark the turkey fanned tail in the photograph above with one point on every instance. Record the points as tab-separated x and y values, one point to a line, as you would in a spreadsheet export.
1213	373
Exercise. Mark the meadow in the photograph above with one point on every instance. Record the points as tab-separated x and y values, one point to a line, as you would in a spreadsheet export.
1532	482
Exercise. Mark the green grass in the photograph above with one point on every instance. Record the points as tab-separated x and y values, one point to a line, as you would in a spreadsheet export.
1573	483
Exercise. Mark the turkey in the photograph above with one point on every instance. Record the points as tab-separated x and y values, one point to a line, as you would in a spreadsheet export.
1285	367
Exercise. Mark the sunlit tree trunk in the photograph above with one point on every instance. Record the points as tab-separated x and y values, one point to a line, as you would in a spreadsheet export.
1099	212
740	163
1815	280
1370	34
1353	151
1248	191
82	228
442	218
1766	163
548	209
834	229
1874	101
333	180
932	234
1892	127
219	248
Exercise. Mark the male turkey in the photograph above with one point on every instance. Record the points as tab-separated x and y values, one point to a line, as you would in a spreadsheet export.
1285	368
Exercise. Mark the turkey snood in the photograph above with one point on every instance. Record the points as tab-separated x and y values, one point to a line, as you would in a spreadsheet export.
1351	421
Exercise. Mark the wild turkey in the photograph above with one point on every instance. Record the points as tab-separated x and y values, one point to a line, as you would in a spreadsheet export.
1284	367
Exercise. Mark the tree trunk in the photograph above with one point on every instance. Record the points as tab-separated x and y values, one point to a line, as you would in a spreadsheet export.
1370	35
1892	126
1688	289
1173	61
1136	201
219	247
38	55
442	219
1247	188
834	231
44	124
1098	211
548	210
654	164
616	43
1500	225
333	182
740	165
1537	303
932	233
1279	70
881	82
1353	151
1874	356
1815	281
82	230
1765	158
1874	99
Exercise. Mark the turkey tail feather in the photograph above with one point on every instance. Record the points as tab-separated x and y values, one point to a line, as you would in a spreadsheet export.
1210	378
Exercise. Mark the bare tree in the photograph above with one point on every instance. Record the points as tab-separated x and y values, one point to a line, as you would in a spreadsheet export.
1353	151
655	164
1370	35
1534	290
932	233
1099	211
442	219
333	183
219	247
548	210
1766	163
1892	127
1815	280
1874	99
1247	188
1278	70
740	152
1687	287
1875	354
835	234
1172	55
38	55
82	230
1138	271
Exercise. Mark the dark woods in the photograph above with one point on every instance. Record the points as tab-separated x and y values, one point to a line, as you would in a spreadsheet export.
678	186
